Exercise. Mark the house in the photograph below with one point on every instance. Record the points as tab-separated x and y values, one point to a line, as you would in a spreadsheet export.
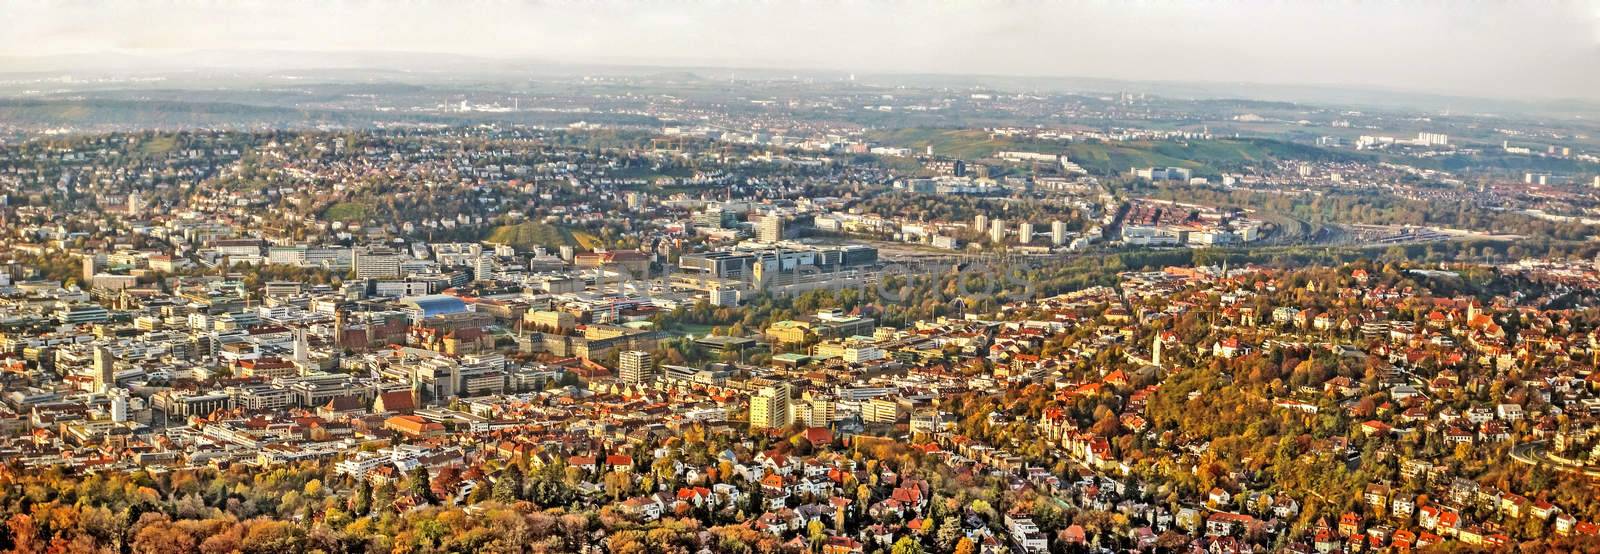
1229	348
1221	524
1509	412
1285	506
1349	524
696	496
643	508
1542	509
1217	498
586	464
1025	534
1402	506
841	545
1564	524
1377	497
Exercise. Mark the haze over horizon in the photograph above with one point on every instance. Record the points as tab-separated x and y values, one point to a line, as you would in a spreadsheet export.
1504	50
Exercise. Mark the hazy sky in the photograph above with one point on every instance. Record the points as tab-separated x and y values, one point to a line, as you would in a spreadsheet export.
1477	48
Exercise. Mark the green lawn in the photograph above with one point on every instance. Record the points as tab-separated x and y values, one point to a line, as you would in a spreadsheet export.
530	234
348	212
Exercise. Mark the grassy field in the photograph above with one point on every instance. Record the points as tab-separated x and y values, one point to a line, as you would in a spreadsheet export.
348	212
530	234
160	144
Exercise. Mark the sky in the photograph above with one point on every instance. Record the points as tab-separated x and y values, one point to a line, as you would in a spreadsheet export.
1503	49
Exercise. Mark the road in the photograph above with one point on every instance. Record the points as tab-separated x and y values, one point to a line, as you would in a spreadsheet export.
1532	453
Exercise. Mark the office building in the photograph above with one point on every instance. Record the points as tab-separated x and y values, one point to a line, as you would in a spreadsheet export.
769	408
633	367
91	265
770	228
375	262
105	370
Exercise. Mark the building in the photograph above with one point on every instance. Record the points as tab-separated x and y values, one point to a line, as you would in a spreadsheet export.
926	421
105	370
1164	174
882	410
770	229
997	231
375	262
82	313
769	408
1058	233
820	411
1433	139
633	367
849	350
741	264
91	265
119	405
423	307
633	261
1025	233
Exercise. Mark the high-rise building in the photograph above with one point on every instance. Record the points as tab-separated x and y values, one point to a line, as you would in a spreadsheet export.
302	349
1058	233
981	223
485	268
769	408
105	370
1025	233
634	367
375	262
91	266
119	405
821	412
997	231
714	217
135	204
770	229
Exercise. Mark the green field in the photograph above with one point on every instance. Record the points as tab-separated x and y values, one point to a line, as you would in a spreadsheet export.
348	212
530	234
159	144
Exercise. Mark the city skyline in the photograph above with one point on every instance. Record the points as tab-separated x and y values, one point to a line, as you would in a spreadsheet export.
812	277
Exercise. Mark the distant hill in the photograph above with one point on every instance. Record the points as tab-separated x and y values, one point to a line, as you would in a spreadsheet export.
166	112
1203	156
